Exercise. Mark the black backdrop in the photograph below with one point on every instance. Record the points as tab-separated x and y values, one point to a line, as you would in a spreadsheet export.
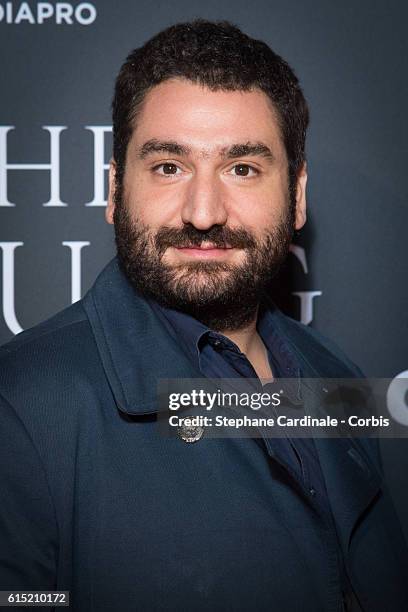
348	272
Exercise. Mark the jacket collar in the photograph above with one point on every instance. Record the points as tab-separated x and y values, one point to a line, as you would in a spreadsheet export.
135	348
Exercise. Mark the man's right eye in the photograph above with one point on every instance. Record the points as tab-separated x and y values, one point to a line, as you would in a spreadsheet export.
167	169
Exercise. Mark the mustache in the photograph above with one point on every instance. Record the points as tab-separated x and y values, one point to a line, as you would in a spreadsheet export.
189	236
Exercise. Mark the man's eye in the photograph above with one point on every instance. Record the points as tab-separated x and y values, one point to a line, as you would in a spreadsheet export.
166	169
244	170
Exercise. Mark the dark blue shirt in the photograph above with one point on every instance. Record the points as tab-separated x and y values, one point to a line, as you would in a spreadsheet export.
216	356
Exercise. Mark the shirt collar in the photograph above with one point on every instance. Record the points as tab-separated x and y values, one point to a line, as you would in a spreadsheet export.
191	335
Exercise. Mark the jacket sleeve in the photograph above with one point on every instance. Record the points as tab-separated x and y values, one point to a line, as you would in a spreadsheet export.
28	527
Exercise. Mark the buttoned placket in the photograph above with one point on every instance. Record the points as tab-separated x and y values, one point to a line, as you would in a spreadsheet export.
224	345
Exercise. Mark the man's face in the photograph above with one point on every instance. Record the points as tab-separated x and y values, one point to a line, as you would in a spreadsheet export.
203	218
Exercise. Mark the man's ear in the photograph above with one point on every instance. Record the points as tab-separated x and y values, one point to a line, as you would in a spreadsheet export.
111	200
300	218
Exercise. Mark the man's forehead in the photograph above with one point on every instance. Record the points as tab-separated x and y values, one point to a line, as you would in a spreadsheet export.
185	118
184	101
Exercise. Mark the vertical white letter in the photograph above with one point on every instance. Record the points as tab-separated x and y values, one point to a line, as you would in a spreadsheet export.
9	12
99	163
75	246
9	313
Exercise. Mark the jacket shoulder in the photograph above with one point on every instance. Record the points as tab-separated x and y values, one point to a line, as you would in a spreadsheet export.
46	331
49	357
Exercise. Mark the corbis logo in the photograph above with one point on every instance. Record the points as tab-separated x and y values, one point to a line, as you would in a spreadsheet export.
61	13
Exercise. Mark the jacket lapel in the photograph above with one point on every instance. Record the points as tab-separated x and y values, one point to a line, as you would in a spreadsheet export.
352	480
349	465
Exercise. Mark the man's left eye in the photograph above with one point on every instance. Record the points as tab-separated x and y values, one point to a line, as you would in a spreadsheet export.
244	170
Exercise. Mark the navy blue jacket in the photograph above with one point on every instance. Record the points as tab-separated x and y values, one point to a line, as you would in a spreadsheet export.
94	501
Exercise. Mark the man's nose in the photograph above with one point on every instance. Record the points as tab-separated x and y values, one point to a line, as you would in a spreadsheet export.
204	203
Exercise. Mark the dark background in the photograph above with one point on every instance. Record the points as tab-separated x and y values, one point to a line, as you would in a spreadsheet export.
351	60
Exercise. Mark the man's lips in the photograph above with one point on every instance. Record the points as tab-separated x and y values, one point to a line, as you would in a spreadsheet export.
206	249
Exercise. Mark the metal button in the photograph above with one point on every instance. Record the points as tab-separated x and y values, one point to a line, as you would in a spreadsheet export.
312	491
190	433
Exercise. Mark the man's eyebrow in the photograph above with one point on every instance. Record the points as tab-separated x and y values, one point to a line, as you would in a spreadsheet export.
231	152
246	149
162	146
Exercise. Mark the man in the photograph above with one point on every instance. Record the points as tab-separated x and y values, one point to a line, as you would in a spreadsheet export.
207	185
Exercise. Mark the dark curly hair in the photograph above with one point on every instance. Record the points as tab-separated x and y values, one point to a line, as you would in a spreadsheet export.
221	57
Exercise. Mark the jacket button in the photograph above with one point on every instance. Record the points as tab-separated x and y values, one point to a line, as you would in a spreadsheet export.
190	434
312	491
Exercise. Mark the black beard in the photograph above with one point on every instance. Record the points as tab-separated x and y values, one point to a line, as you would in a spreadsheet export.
223	296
